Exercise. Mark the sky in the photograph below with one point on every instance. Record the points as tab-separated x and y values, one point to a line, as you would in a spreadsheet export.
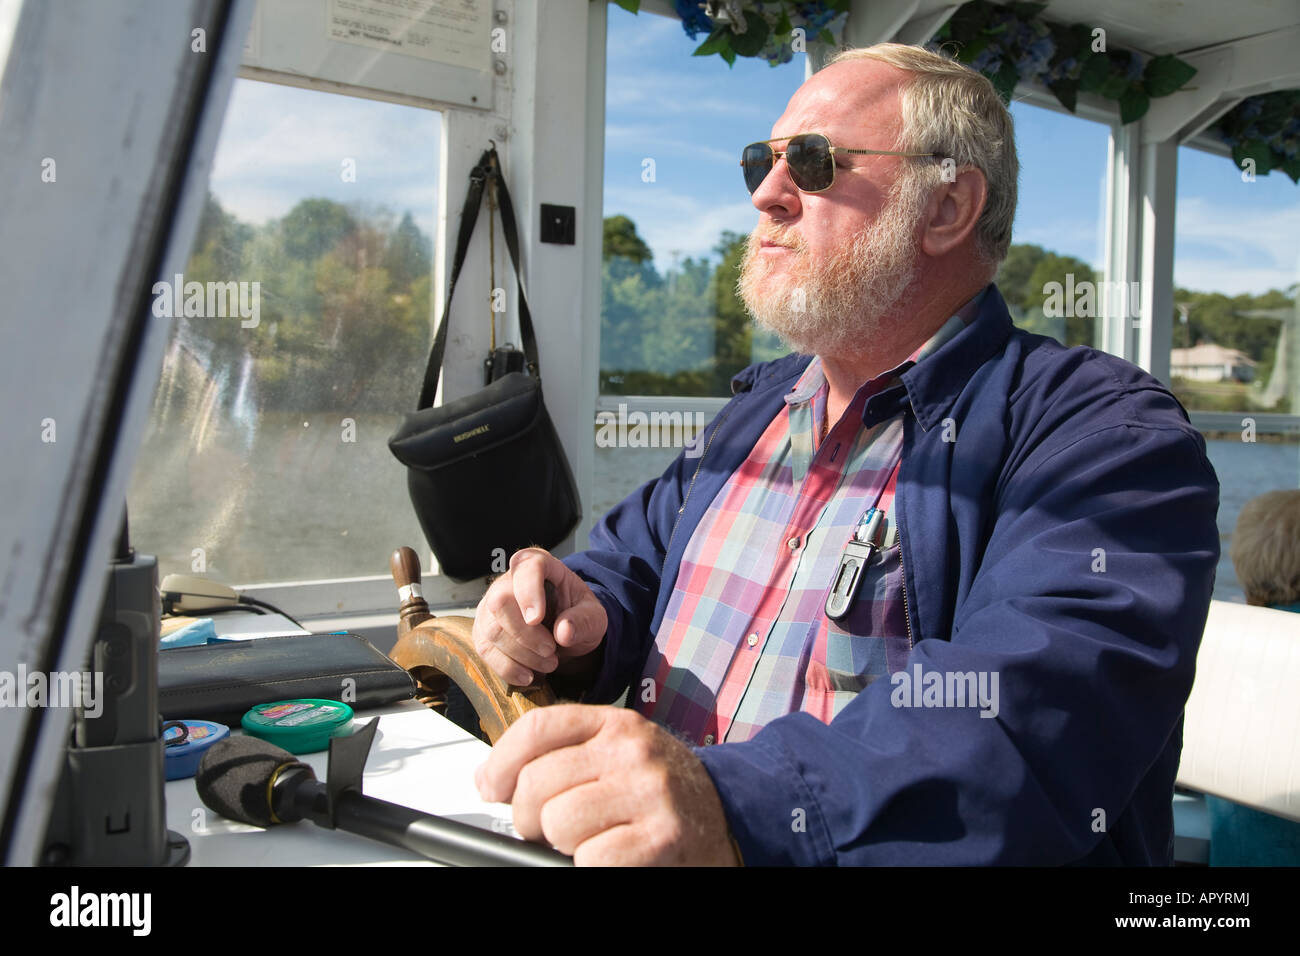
692	115
281	144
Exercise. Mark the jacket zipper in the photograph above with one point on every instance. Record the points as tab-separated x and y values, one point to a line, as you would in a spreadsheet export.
907	618
902	568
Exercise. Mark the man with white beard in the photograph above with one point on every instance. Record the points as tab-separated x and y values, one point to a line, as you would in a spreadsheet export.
932	591
825	305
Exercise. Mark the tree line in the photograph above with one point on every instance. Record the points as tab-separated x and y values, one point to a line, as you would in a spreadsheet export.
685	332
345	304
346	309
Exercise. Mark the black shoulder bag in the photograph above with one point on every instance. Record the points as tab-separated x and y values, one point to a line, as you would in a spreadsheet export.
487	471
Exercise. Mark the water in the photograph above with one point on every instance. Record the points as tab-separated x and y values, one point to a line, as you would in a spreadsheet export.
290	497
281	496
1244	469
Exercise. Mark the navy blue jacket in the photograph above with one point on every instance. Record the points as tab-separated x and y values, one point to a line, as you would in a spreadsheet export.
1057	514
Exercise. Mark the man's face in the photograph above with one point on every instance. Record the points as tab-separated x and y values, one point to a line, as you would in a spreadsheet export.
825	270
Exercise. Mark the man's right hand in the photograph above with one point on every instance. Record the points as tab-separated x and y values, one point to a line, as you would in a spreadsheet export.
508	630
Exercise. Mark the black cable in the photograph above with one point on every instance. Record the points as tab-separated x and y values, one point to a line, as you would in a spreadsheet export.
255	603
203	612
246	604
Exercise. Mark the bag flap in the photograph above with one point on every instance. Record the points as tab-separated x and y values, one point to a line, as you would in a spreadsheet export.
497	413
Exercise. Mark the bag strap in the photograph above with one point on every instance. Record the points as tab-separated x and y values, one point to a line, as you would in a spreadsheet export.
507	211
489	167
468	219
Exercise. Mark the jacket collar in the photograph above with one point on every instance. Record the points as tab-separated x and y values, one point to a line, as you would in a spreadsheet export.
765	375
932	386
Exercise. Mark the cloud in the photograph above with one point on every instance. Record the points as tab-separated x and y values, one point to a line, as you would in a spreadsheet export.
1249	250
669	95
630	34
1069	236
653	141
282	144
673	222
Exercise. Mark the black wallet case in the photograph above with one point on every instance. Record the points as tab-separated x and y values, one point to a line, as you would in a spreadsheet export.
222	681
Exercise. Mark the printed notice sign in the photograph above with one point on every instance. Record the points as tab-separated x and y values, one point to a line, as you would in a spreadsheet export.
449	31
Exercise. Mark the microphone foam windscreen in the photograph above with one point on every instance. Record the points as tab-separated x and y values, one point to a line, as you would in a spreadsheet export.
234	775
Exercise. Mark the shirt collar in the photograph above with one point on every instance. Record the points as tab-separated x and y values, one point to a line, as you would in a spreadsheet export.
813	379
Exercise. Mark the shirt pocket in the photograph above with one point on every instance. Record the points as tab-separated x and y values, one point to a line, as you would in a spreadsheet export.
863	646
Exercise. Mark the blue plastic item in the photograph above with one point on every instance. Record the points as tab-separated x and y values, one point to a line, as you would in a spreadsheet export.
185	742
202	631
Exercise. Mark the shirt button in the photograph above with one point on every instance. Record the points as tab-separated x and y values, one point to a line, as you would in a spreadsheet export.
752	639
794	543
708	740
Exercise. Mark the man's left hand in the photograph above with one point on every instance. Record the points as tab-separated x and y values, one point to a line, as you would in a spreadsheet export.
607	787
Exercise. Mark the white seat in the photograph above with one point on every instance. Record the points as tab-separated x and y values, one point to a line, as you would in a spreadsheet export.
1241	738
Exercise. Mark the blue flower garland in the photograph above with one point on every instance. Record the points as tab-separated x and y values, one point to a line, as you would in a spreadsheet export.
1264	130
757	28
1010	43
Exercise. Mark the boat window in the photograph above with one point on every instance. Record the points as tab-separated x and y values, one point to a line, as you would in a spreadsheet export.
1054	276
677	215
1235	342
299	325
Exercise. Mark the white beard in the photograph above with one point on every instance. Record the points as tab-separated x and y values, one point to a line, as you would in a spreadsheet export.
838	305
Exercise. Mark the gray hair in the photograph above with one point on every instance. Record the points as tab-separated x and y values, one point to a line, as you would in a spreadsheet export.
1266	548
954	111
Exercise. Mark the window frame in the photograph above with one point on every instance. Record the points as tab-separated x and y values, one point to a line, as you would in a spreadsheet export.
309	599
1123	262
465	131
609	402
1266	423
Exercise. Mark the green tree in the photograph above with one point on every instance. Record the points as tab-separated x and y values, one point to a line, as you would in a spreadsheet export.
1053	270
621	241
218	256
314	227
219	243
738	342
1013	278
409	254
337	329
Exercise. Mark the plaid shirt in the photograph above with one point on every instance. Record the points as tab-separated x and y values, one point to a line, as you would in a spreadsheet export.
745	638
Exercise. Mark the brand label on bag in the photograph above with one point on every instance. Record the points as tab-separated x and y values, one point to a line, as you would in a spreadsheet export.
471	433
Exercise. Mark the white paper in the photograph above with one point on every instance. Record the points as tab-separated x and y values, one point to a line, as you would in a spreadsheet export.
449	31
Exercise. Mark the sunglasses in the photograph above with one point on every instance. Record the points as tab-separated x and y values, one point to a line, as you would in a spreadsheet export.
809	156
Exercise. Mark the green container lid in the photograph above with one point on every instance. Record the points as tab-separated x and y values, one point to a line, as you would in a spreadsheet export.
300	726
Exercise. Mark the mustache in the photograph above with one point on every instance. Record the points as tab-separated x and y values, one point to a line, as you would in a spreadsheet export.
776	234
